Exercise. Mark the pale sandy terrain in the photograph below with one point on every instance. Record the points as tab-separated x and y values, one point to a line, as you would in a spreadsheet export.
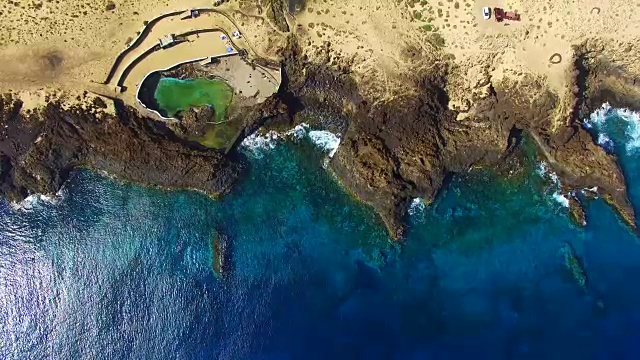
386	41
64	44
59	49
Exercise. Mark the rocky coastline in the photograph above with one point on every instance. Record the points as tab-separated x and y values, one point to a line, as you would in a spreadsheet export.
404	148
39	151
392	151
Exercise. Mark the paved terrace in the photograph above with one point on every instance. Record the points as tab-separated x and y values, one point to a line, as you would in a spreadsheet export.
173	24
144	55
203	40
195	48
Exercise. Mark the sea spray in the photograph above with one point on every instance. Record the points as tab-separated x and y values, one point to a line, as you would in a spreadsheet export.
257	143
35	201
604	122
633	131
561	199
545	172
606	143
325	140
298	132
417	206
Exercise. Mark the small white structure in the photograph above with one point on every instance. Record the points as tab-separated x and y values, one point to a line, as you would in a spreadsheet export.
486	13
236	34
167	41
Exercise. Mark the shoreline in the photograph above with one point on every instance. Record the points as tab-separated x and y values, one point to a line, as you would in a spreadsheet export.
407	120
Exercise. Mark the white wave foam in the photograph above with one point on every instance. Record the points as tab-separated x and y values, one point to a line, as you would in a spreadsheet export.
326	140
560	198
605	142
599	118
256	143
600	115
36	200
298	132
542	169
417	206
545	172
603	139
633	130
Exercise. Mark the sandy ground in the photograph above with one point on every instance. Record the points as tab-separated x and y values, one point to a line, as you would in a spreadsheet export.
64	44
386	42
59	49
383	32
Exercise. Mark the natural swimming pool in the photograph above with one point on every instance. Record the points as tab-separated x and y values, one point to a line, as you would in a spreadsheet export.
176	95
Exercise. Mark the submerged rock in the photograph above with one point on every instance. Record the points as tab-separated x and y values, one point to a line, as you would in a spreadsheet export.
573	264
221	250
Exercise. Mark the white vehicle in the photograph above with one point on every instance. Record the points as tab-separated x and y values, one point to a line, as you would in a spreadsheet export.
486	12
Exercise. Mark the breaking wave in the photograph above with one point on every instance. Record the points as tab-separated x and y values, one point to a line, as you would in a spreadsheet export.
417	206
605	122
257	143
555	188
325	140
36	201
606	143
560	198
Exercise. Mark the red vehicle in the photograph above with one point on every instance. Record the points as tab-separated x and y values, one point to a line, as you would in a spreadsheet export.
499	14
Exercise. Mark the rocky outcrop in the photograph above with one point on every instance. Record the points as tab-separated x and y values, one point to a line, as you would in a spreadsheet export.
39	151
194	121
393	149
604	81
405	147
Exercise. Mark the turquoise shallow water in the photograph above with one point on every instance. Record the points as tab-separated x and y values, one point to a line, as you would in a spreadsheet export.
118	271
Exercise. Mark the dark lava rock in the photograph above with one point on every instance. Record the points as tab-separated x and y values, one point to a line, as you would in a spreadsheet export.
38	153
193	122
391	152
396	150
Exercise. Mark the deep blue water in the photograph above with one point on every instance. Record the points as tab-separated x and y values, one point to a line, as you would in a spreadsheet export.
119	271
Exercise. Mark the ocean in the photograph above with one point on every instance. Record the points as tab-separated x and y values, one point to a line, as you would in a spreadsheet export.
112	270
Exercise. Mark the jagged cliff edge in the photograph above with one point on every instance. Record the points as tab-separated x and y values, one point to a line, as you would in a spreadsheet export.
392	151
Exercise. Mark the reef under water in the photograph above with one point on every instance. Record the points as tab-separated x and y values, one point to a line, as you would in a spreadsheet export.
110	270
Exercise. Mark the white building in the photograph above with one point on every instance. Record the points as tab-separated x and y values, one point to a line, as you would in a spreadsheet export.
167	41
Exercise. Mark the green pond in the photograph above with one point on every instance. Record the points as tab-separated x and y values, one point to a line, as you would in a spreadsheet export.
175	95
